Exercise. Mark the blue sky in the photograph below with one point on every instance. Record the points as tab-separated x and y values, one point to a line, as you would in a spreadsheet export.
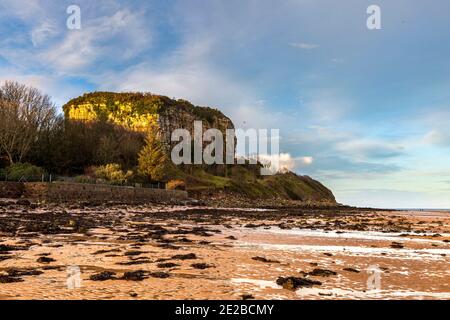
371	108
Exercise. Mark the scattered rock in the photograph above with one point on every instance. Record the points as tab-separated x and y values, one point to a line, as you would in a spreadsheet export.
189	256
397	245
262	259
160	275
293	283
134	275
106	251
322	273
231	238
23	272
133	253
167	265
9	279
45	260
201	266
103	276
351	270
23	202
134	262
247	297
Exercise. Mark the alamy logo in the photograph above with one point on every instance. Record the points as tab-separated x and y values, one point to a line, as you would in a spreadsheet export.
374	20
374	279
210	147
74	20
73	277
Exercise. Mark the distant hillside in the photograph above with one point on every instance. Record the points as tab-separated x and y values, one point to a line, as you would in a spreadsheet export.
135	111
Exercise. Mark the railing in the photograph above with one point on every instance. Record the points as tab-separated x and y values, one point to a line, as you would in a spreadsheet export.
55	179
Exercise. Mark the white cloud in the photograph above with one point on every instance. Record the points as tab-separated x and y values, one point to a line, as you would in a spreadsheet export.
42	32
438	137
117	37
284	162
305	46
369	148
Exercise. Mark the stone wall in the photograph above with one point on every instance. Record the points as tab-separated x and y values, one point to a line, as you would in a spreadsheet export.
11	189
71	192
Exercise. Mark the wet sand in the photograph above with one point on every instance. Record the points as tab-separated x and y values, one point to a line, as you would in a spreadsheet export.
176	252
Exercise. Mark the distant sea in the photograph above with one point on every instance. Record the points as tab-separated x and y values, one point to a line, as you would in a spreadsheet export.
422	209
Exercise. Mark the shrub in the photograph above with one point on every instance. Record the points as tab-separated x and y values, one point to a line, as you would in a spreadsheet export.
25	171
176	185
113	173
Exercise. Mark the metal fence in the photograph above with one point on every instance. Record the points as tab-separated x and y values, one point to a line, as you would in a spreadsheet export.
56	178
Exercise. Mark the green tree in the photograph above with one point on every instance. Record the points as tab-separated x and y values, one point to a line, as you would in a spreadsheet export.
154	162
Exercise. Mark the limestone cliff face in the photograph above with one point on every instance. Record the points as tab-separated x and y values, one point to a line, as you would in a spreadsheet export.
136	111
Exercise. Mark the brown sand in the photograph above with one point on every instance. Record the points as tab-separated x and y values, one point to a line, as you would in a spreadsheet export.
403	255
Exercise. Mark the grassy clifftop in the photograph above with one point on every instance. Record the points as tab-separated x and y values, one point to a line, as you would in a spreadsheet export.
132	110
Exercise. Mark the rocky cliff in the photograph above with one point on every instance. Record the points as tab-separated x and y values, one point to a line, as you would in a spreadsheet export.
136	111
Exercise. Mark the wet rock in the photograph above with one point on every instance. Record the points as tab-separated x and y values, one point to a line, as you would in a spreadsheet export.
189	256
105	251
160	275
436	235
134	262
139	275
262	259
397	245
59	268
351	270
45	260
133	253
322	273
103	276
23	272
167	265
168	246
201	266
323	294
293	283
23	202
5	248
9	279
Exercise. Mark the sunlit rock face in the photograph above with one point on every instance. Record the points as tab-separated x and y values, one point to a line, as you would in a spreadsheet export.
138	111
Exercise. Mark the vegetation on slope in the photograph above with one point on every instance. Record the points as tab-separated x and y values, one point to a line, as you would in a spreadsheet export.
116	137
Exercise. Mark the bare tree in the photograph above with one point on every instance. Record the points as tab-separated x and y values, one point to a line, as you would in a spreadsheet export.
24	112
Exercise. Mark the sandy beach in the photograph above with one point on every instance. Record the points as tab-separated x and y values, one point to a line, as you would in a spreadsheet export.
184	252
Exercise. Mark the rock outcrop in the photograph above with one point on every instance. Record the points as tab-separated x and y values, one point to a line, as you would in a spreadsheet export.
139	111
136	111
